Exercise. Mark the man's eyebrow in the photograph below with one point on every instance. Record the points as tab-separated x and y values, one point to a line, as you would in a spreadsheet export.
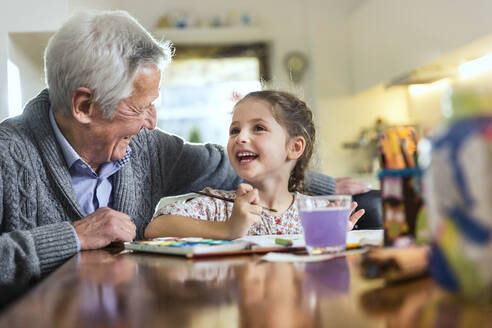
136	109
140	109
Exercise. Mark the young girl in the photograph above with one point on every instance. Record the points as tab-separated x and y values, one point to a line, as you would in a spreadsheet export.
271	141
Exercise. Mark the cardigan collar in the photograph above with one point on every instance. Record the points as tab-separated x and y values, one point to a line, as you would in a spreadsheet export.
36	115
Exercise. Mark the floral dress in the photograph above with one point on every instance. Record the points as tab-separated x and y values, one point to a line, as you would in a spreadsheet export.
212	209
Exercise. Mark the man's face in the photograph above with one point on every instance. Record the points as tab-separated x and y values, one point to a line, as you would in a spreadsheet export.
110	138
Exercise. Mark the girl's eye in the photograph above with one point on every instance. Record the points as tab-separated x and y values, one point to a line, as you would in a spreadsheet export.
233	131
259	128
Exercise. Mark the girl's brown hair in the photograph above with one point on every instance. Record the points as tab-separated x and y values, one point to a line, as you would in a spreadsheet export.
297	118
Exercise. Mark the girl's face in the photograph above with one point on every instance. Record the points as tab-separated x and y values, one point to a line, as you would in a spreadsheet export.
258	145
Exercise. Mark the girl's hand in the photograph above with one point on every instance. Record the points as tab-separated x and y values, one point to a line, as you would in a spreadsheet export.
354	217
245	212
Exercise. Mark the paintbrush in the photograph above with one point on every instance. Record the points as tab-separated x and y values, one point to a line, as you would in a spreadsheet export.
229	199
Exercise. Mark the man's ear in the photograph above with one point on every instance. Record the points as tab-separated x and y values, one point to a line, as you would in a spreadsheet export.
296	147
83	109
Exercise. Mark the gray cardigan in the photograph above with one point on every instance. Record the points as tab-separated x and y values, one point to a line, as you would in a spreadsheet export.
38	203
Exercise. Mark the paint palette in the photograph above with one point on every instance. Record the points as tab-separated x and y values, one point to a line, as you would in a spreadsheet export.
187	246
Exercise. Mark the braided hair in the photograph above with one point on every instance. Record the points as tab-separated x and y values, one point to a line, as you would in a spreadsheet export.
297	119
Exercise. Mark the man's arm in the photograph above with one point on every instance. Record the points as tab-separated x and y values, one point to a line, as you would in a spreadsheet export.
319	184
187	167
26	251
192	167
28	254
350	186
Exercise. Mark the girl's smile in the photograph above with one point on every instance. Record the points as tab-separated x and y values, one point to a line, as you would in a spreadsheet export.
246	157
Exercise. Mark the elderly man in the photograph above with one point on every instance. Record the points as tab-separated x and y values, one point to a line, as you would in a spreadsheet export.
83	166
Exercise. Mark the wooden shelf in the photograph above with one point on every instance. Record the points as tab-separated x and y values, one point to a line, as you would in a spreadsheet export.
213	35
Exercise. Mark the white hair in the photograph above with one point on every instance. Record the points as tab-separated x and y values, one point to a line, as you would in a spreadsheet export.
101	51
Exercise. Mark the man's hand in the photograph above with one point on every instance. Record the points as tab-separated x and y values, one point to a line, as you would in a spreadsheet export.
350	186
245	212
103	227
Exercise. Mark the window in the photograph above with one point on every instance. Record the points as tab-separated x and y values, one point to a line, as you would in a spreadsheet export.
202	84
14	89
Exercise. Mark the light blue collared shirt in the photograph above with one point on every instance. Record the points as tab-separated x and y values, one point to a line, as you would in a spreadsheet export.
93	190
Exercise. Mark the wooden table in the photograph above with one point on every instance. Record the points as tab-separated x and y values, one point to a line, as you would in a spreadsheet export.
107	288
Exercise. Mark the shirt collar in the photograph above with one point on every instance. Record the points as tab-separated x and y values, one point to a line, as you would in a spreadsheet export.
70	154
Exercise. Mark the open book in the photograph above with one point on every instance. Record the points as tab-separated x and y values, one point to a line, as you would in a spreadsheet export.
201	247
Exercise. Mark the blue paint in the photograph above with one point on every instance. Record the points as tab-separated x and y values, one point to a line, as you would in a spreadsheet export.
440	269
469	226
454	138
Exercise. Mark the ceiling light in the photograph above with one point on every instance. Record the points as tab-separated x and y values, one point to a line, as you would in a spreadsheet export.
416	89
476	66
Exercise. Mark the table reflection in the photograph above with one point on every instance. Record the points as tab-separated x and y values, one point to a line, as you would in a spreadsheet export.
327	280
100	269
104	289
400	305
420	303
172	291
100	293
271	296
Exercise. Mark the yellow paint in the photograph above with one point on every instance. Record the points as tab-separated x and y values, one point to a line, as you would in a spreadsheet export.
470	281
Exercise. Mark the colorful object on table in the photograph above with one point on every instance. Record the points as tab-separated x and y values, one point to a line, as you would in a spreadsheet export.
423	235
398	147
183	242
186	246
402	201
395	223
458	186
195	247
400	183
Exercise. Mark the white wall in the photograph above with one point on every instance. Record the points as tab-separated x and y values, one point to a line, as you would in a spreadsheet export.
74	5
29	61
389	38
24	16
329	39
3	72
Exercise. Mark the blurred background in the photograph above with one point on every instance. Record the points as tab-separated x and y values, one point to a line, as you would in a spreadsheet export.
362	65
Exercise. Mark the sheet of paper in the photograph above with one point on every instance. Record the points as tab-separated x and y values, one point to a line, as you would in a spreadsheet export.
288	257
365	237
355	238
269	240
